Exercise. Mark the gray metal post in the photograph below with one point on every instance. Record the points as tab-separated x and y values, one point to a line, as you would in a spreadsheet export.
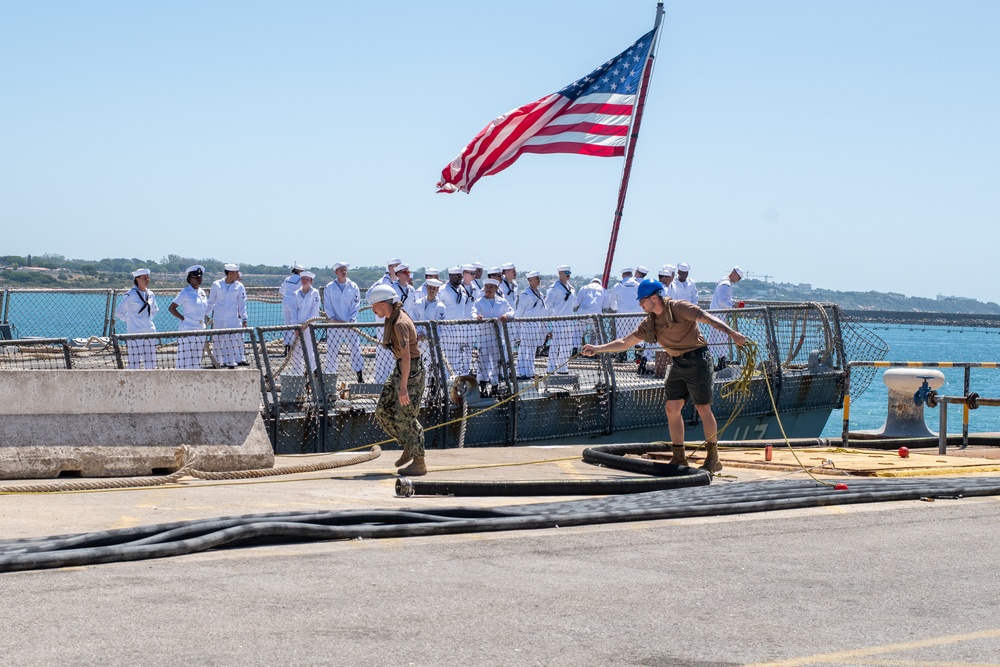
943	430
965	411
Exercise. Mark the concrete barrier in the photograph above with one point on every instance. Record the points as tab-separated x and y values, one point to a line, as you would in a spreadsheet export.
112	423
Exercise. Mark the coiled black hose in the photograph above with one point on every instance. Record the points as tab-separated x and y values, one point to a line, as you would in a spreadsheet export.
667	476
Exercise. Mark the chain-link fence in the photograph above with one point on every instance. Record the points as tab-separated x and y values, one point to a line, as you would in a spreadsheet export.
320	385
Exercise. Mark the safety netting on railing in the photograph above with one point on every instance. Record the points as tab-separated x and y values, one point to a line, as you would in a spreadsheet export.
523	379
39	354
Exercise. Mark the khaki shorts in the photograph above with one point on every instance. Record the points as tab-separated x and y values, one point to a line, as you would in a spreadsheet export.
691	375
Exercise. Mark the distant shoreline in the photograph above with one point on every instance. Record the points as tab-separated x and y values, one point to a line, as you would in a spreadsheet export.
925	319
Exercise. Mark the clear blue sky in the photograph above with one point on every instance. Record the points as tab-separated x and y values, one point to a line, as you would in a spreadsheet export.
851	144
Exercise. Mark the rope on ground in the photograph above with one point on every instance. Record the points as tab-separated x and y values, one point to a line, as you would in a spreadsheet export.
185	454
371	455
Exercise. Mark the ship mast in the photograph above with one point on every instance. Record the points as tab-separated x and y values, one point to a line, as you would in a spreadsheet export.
633	137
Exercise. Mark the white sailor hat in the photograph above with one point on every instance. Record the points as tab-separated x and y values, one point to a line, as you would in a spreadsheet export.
298	267
402	267
455	271
627	269
431	272
684	266
337	265
492	281
471	268
431	282
508	266
394	261
668	270
195	268
478	265
140	272
739	272
494	270
641	269
231	267
532	274
308	274
564	268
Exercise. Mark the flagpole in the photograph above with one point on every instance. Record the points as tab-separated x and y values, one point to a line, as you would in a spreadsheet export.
627	170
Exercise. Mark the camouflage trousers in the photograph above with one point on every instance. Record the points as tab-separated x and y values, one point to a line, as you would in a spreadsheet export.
400	421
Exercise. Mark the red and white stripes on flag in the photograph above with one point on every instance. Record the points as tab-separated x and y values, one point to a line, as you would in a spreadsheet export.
591	116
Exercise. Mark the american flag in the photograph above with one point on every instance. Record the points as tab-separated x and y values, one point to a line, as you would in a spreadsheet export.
590	116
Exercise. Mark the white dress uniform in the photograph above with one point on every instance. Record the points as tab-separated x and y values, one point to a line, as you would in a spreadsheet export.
227	303
529	304
286	291
429	311
722	299
341	301
384	359
590	300
409	298
683	291
454	337
560	300
623	300
193	305
490	352
307	306
138	310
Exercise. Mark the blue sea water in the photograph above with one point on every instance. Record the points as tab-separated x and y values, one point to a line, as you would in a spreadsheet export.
927	343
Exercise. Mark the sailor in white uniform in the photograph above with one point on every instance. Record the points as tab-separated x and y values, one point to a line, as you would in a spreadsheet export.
623	301
307	307
227	305
683	289
407	293
508	287
722	299
477	277
473	289
341	301
666	275
384	359
190	307
560	300
640	273
430	273
490	308
429	309
454	338
138	308
590	300
530	303
285	291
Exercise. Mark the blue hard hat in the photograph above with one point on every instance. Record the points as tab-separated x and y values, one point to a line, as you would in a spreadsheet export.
647	288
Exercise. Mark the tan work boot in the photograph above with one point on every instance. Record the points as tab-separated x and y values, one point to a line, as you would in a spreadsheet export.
712	462
415	469
404	458
679	457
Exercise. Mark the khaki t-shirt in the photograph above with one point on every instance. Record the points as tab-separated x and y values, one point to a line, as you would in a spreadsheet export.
676	328
403	337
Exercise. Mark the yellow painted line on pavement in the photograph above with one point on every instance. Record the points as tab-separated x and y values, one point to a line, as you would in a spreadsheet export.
917	663
855	654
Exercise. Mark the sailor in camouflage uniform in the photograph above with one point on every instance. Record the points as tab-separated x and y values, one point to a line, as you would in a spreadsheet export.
399	403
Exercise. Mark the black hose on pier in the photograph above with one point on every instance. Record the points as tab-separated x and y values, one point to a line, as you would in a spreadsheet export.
189	537
666	476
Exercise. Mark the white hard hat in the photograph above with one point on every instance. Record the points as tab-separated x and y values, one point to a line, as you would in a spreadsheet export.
382	293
